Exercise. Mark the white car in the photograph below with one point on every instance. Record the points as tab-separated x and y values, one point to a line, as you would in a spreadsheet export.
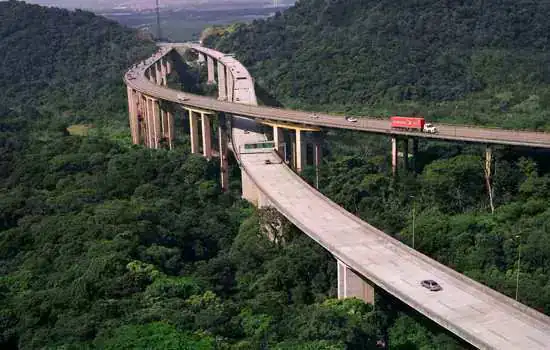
314	116
351	119
182	97
430	128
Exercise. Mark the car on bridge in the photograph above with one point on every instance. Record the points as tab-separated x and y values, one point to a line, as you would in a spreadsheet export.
182	97
431	285
351	119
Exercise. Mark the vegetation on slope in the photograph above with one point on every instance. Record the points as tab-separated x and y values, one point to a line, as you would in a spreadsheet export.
481	62
473	61
68	62
108	246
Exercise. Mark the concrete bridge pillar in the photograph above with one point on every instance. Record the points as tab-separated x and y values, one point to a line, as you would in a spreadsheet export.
150	75
279	139
230	85
301	151
351	285
210	63
414	153
155	122
194	131
167	122
394	155
251	193
206	136
406	154
163	71
222	92
133	115
158	73
317	154
168	66
224	164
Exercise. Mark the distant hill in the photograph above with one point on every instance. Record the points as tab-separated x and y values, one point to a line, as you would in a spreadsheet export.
387	56
64	60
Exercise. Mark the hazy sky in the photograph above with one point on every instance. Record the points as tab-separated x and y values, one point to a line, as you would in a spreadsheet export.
108	4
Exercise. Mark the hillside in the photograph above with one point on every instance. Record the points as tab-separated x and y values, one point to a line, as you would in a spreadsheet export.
476	61
65	61
105	246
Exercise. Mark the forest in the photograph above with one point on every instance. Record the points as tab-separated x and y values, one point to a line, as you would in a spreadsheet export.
469	62
112	246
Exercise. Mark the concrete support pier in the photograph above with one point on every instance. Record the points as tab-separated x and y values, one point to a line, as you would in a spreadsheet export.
158	73
406	154
206	136
230	84
194	131
132	115
163	72
351	285
278	139
394	155
317	154
224	165
301	151
222	93
210	64
414	154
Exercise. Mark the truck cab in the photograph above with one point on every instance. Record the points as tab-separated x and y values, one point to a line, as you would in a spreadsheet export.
430	128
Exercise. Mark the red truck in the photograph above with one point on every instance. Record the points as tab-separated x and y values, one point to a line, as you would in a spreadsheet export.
412	124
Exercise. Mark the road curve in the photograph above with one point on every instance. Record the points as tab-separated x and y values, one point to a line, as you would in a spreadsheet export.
477	314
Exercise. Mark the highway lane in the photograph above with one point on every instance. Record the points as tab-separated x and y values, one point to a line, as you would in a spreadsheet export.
475	313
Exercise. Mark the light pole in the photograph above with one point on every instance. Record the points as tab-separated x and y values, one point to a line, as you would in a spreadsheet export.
519	262
413	215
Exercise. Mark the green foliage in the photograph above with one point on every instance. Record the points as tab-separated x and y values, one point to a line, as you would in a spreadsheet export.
474	62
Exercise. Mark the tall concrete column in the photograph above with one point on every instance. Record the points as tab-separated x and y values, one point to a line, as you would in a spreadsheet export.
301	152
206	136
140	122
163	72
278	139
317	154
194	131
222	92
158	73
170	128
151	76
210	63
394	155
149	122
224	165
414	154
156	122
351	285
406	154
230	84
132	115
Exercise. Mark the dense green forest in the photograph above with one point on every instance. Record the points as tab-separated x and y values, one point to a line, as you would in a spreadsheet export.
110	246
475	61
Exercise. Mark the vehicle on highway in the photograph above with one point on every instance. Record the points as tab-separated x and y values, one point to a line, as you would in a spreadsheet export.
431	285
182	97
247	132
267	161
314	116
412	124
351	119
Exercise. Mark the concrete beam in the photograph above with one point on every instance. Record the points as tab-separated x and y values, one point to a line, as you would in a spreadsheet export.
210	63
206	137
194	131
251	193
222	92
351	285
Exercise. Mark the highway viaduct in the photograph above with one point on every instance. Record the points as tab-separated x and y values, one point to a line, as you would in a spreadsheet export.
366	256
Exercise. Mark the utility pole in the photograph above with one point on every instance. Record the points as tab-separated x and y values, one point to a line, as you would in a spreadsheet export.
159	33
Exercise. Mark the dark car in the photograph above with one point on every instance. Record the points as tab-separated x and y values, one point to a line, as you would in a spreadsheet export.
431	285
